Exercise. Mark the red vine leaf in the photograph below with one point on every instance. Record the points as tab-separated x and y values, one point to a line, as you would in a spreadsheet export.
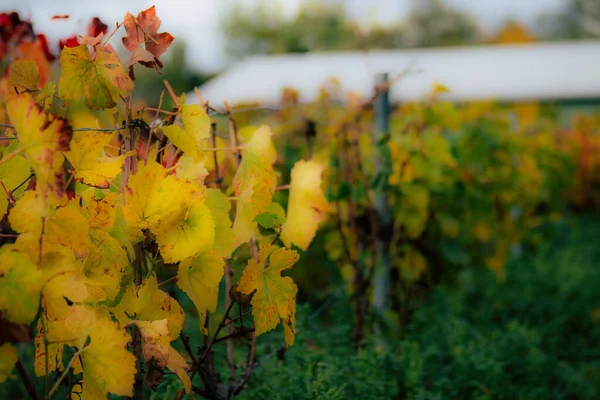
144	30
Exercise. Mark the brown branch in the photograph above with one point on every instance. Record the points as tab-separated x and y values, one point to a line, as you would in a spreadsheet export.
231	321
217	331
27	381
228	302
171	279
171	93
186	344
213	134
236	334
249	366
66	371
113	32
158	110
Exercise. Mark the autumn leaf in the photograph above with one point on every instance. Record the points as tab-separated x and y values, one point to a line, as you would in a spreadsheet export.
195	121
72	329
64	286
196	128
52	352
64	230
186	233
100	212
92	166
8	359
20	286
275	297
189	169
172	209
158	354
219	206
42	139
307	205
96	27
13	173
254	183
104	266
153	195
24	75
180	139
37	51
144	30
107	365
149	303
199	278
98	80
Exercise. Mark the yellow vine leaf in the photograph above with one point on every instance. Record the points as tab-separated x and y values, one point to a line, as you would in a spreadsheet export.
275	297
68	228
158	354
189	169
91	165
195	121
100	213
254	183
199	278
12	174
307	205
20	286
219	206
42	139
24	75
44	231
72	329
33	50
99	79
149	303
196	128
55	351
104	266
183	141
186	233
45	97
8	359
64	286
153	195
107	365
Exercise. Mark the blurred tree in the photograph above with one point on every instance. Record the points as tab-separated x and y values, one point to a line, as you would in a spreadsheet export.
578	20
323	27
149	84
432	23
265	31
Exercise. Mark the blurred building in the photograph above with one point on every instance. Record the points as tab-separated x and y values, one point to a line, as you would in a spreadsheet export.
563	72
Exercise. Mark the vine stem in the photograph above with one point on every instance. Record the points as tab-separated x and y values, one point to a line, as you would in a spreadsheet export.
65	372
222	325
27	381
171	279
114	31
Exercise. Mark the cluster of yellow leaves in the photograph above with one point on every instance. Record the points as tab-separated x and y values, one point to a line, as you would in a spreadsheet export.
81	220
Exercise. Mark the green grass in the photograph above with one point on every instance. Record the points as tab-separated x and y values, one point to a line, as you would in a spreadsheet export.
533	337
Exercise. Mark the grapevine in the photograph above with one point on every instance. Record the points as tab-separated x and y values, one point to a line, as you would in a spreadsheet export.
102	200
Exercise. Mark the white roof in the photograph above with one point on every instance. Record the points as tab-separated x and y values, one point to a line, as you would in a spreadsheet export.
550	71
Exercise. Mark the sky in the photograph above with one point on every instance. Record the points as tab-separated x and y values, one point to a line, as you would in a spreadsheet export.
197	21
